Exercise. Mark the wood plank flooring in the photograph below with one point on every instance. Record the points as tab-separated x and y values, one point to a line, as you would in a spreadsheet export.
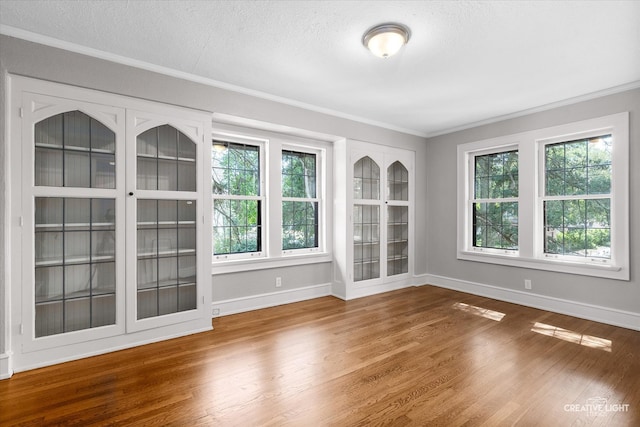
417	356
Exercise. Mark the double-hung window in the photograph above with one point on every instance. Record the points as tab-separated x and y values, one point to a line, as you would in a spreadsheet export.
269	191
577	198
238	200
495	201
553	199
300	201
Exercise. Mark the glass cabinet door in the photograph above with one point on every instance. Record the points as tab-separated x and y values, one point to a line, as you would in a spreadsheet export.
166	257
166	226
397	219
74	237
366	220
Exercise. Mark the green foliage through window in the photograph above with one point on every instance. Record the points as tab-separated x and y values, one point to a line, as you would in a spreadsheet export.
235	184
576	224
578	167
299	203
495	213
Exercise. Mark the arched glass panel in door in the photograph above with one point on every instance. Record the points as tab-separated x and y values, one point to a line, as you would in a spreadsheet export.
397	219
166	226
74	237
166	160
366	220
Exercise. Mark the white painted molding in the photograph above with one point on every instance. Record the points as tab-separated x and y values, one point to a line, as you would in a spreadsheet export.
50	357
271	299
562	103
625	319
364	291
5	366
421	279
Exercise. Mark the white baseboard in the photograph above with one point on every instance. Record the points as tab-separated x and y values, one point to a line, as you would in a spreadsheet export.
272	299
365	291
5	366
596	313
39	359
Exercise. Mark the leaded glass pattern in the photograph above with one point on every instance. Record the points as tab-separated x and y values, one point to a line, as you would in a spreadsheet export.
75	264
366	179
166	257
397	182
299	200
366	242
166	160
577	205
73	149
495	203
397	240
237	201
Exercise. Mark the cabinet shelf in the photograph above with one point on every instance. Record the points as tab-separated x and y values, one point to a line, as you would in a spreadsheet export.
73	148
166	254
397	257
397	241
75	260
154	224
162	157
84	226
366	262
361	243
95	293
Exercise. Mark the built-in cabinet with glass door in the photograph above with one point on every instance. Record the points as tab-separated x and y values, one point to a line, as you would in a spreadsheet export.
108	203
378	203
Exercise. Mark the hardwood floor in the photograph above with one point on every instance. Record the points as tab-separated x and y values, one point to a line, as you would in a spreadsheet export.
417	356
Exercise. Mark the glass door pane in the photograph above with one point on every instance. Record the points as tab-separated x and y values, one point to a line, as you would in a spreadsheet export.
166	160
397	182
366	242
397	240
74	238
75	282
366	220
166	257
366	179
74	150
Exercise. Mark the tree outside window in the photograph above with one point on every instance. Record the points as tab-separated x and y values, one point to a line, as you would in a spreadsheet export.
577	202
237	199
495	203
299	200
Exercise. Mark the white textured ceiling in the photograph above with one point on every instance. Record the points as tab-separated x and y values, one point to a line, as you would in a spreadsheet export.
466	62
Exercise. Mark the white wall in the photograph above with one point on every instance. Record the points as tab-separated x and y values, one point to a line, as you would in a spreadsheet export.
596	298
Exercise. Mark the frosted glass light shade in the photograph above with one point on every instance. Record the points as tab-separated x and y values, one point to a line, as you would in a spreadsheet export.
386	40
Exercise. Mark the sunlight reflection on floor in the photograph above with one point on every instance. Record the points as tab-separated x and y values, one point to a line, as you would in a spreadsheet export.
571	336
479	311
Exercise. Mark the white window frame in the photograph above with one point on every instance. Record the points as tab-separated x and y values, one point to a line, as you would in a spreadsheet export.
472	200
319	153
272	254
261	144
531	177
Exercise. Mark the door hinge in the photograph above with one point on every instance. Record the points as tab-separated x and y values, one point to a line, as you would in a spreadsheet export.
21	112
21	221
21	329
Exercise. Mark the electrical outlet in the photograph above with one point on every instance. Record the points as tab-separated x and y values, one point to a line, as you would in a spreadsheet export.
278	282
527	283
215	312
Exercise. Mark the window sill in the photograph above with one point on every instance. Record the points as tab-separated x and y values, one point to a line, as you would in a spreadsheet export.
241	265
607	271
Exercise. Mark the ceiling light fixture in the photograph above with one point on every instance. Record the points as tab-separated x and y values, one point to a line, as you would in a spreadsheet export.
385	40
